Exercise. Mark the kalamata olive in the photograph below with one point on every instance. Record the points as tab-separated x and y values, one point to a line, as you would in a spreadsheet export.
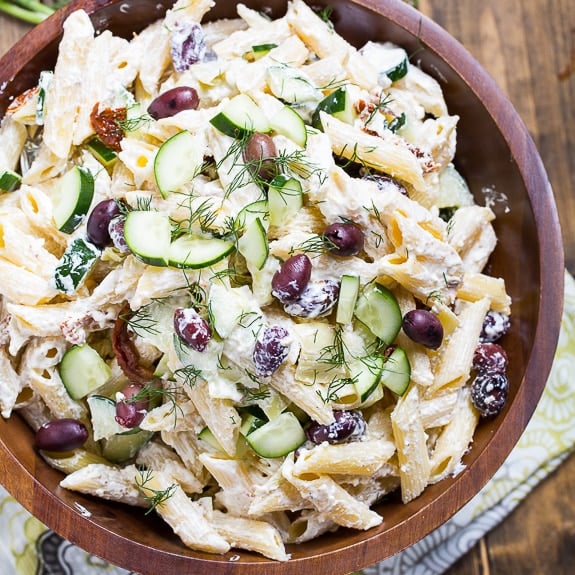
99	221
192	328
131	408
423	327
348	425
490	358
489	393
116	231
344	239
61	435
316	300
260	156
271	348
187	45
495	326
291	279
172	101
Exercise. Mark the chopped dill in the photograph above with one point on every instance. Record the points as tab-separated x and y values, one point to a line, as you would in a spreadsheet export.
154	497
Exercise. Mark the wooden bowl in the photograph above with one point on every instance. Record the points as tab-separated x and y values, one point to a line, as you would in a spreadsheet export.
495	151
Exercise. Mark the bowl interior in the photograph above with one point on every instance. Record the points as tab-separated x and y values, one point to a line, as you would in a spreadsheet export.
495	154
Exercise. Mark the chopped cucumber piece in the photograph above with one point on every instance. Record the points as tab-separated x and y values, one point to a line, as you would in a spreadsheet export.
396	372
148	235
44	82
125	446
292	85
103	415
366	373
9	180
378	309
290	124
75	265
177	162
348	292
258	51
285	199
394	63
207	436
278	437
240	117
73	198
453	189
83	371
258	209
339	104
253	245
106	156
196	252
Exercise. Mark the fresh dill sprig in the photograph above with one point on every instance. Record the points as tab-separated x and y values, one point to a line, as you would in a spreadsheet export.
335	353
201	216
189	375
141	322
134	124
256	394
333	388
154	497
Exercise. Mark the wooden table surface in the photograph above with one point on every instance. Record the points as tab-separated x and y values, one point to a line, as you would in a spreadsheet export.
529	48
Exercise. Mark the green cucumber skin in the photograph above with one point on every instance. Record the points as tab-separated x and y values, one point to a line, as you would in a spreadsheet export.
9	181
123	447
348	294
396	373
250	118
253	245
331	104
75	265
277	437
184	256
85	195
83	371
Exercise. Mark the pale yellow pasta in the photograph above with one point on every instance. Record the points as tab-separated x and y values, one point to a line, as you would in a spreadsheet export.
10	385
411	442
12	137
476	286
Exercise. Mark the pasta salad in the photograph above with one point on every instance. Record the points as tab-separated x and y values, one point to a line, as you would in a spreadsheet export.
243	284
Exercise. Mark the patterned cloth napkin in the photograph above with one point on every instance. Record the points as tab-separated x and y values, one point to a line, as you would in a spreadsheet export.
28	548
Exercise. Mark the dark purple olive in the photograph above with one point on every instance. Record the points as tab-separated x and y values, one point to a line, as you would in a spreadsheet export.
99	221
260	156
192	328
61	435
490	358
271	348
348	425
116	231
187	45
291	279
344	239
130	407
489	393
423	327
173	101
316	300
495	326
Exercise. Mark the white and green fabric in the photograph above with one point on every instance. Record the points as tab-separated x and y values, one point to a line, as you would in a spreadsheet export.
28	548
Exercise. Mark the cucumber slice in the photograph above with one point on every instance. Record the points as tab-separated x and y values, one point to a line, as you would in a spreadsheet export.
9	180
339	104
453	189
278	437
253	245
83	371
73	198
106	156
240	117
103	415
348	293
366	373
378	309
75	265
189	252
396	372
394	63
178	160
290	124
207	436
148	235
285	199
125	446
258	209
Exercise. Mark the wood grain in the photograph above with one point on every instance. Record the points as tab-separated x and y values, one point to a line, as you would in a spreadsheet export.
529	49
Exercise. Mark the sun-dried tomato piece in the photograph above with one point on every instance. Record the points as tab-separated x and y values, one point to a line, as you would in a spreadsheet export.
126	352
107	125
